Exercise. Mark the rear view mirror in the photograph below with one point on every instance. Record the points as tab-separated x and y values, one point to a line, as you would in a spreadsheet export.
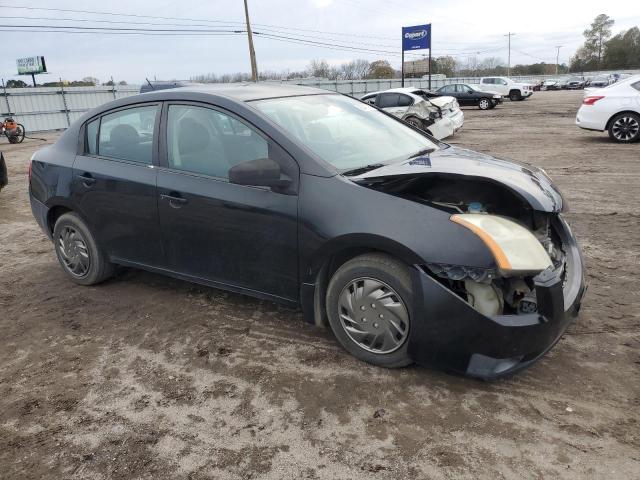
261	172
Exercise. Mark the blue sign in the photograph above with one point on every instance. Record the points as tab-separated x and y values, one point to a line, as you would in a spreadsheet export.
416	38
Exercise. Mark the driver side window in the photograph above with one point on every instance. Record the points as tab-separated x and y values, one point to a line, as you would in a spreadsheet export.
206	141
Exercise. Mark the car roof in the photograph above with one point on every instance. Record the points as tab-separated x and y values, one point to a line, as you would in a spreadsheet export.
406	90
249	91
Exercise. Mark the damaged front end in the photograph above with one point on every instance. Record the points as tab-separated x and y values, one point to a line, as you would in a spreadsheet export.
489	322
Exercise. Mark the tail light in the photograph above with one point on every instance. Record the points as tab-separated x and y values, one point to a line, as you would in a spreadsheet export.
592	100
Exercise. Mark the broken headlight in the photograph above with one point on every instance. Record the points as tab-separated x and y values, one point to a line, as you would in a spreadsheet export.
515	249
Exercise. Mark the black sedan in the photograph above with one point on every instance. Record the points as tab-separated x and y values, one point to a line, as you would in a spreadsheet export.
469	95
410	249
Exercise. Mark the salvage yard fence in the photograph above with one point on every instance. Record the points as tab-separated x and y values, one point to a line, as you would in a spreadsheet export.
43	109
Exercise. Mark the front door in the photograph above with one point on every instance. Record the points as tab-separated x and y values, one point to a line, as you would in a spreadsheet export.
240	236
114	183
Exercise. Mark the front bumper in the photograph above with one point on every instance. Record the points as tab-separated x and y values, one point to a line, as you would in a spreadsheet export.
456	337
527	93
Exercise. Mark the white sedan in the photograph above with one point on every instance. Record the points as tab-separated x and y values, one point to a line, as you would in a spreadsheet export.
441	117
615	108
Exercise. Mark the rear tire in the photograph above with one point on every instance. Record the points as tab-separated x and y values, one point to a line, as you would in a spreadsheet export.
368	305
484	104
625	127
415	122
514	95
78	253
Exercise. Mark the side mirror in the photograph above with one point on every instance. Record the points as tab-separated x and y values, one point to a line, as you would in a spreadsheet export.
469	91
261	172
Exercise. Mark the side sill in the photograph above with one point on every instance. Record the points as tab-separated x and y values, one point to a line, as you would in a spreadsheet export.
209	283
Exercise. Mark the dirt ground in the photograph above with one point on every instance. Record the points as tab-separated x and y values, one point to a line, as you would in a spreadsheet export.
149	377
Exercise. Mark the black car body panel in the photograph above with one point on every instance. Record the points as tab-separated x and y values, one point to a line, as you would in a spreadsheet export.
4	178
284	244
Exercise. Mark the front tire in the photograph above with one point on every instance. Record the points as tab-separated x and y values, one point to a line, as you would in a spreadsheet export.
514	95
625	127
484	104
368	305
78	253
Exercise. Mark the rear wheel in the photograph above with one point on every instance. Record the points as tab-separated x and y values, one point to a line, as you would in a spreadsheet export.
625	127
18	135
415	122
78	252
514	95
484	104
368	305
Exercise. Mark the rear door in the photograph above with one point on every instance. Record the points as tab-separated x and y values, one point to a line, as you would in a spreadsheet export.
114	182
237	235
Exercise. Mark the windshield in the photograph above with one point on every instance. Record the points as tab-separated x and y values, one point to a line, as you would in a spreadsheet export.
345	132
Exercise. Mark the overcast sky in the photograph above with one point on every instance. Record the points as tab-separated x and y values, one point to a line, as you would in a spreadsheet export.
460	28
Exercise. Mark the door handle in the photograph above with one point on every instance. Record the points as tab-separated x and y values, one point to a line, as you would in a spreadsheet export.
174	200
86	179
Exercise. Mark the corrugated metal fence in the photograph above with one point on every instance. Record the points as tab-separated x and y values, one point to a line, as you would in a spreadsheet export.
55	108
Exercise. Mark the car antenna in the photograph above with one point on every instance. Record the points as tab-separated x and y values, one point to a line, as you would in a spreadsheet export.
150	84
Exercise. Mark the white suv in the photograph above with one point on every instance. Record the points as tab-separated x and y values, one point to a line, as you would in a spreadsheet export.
507	87
615	108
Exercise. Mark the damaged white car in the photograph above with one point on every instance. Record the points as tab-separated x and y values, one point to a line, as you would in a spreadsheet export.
441	117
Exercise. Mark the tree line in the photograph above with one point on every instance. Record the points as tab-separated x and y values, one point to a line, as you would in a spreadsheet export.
603	51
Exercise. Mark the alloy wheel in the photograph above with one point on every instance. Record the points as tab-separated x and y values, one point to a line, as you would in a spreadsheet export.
373	315
484	104
625	128
74	252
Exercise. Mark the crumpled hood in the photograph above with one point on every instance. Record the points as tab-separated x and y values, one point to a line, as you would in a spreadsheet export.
531	183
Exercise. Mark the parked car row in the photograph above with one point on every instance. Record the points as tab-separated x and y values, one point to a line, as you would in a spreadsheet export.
438	112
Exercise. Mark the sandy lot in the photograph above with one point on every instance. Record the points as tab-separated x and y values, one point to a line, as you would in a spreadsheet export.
148	377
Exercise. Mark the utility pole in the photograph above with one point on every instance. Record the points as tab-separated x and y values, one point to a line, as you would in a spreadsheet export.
509	35
558	47
252	52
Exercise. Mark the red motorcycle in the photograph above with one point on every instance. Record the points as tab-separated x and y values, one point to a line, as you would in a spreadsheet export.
14	131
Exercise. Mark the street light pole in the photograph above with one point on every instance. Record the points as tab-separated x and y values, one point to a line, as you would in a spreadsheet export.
509	35
252	52
558	47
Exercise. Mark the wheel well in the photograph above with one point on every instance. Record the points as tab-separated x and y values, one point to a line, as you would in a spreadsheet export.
515	90
326	271
55	213
618	113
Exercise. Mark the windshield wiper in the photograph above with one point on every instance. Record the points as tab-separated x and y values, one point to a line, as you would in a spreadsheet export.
361	170
419	153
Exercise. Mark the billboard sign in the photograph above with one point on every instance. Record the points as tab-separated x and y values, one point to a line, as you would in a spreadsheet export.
416	38
29	65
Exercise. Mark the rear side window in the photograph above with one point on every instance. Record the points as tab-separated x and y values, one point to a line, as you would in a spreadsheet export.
447	89
128	134
387	100
636	86
92	137
404	101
